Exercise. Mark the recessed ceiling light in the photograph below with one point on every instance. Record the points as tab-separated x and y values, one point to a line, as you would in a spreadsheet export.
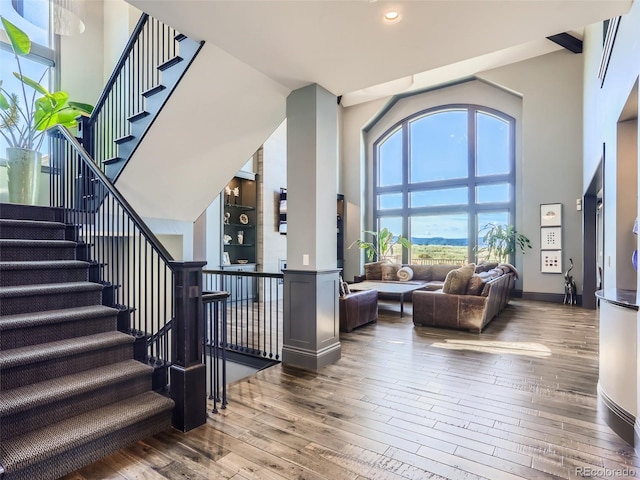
392	16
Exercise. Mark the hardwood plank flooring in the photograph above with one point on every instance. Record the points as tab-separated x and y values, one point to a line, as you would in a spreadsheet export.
515	402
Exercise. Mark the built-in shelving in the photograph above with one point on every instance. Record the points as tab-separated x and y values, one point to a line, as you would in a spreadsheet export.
239	216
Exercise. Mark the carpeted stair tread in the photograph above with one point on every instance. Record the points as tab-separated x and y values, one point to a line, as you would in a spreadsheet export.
61	349
42	264
37	395
26	272
14	249
26	243
31	229
48	289
29	223
30	212
53	441
28	320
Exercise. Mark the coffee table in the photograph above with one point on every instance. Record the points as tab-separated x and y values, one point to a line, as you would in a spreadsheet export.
389	288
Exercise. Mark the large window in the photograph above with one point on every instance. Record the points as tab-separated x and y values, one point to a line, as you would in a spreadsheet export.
33	17
440	176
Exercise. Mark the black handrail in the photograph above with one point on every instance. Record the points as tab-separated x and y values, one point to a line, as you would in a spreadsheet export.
101	177
119	65
157	297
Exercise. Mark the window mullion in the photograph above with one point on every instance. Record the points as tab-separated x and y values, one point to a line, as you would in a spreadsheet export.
405	187
472	181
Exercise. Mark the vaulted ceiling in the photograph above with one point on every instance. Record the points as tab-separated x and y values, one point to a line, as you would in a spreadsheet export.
347	47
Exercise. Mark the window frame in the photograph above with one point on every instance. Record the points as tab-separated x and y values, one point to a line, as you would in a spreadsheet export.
472	208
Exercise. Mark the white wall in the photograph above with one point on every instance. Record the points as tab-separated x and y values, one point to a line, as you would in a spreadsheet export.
604	105
602	110
272	170
551	89
353	179
548	151
81	58
120	19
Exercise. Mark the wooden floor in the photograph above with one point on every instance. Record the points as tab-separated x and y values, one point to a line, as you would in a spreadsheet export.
517	401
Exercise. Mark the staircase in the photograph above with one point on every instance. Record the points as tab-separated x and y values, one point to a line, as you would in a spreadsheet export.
70	389
151	66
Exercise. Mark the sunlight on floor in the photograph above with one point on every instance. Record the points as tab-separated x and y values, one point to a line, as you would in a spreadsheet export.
529	349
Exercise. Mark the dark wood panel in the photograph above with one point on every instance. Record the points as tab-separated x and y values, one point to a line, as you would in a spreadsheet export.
405	402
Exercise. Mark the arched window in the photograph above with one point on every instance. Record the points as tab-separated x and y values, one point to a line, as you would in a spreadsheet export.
442	174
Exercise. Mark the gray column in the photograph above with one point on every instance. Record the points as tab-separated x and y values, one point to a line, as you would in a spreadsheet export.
311	324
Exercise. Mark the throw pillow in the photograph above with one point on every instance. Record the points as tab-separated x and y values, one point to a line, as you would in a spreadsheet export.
456	280
373	270
390	271
345	288
475	285
405	274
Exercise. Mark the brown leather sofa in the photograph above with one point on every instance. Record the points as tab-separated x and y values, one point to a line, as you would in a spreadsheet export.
467	311
429	277
358	308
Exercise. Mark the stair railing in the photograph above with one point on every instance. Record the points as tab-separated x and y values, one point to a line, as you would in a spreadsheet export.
152	48
154	292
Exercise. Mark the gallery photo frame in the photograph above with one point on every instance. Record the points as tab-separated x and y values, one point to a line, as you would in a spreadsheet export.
225	258
550	238
551	261
551	215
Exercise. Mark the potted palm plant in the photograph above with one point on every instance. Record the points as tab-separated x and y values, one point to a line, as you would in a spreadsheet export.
381	246
502	241
24	118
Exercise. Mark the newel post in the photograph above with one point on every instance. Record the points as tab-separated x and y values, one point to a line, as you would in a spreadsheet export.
85	133
188	373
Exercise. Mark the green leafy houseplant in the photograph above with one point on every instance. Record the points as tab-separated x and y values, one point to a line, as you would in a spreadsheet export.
502	241
24	117
381	245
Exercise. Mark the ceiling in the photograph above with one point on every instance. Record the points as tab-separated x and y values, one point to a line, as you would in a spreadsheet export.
346	46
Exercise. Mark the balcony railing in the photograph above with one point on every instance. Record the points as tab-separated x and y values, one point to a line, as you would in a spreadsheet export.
254	311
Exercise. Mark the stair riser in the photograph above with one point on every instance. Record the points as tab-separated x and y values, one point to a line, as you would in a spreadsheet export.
23	337
19	375
21	253
55	301
28	420
11	278
28	212
91	451
32	233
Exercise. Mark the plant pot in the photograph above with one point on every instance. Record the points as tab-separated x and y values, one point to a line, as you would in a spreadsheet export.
23	172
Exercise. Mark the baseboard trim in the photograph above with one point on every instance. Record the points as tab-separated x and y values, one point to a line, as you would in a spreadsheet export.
545	297
620	421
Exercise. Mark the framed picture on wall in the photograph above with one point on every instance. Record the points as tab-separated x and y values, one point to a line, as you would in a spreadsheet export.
551	215
550	238
551	261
